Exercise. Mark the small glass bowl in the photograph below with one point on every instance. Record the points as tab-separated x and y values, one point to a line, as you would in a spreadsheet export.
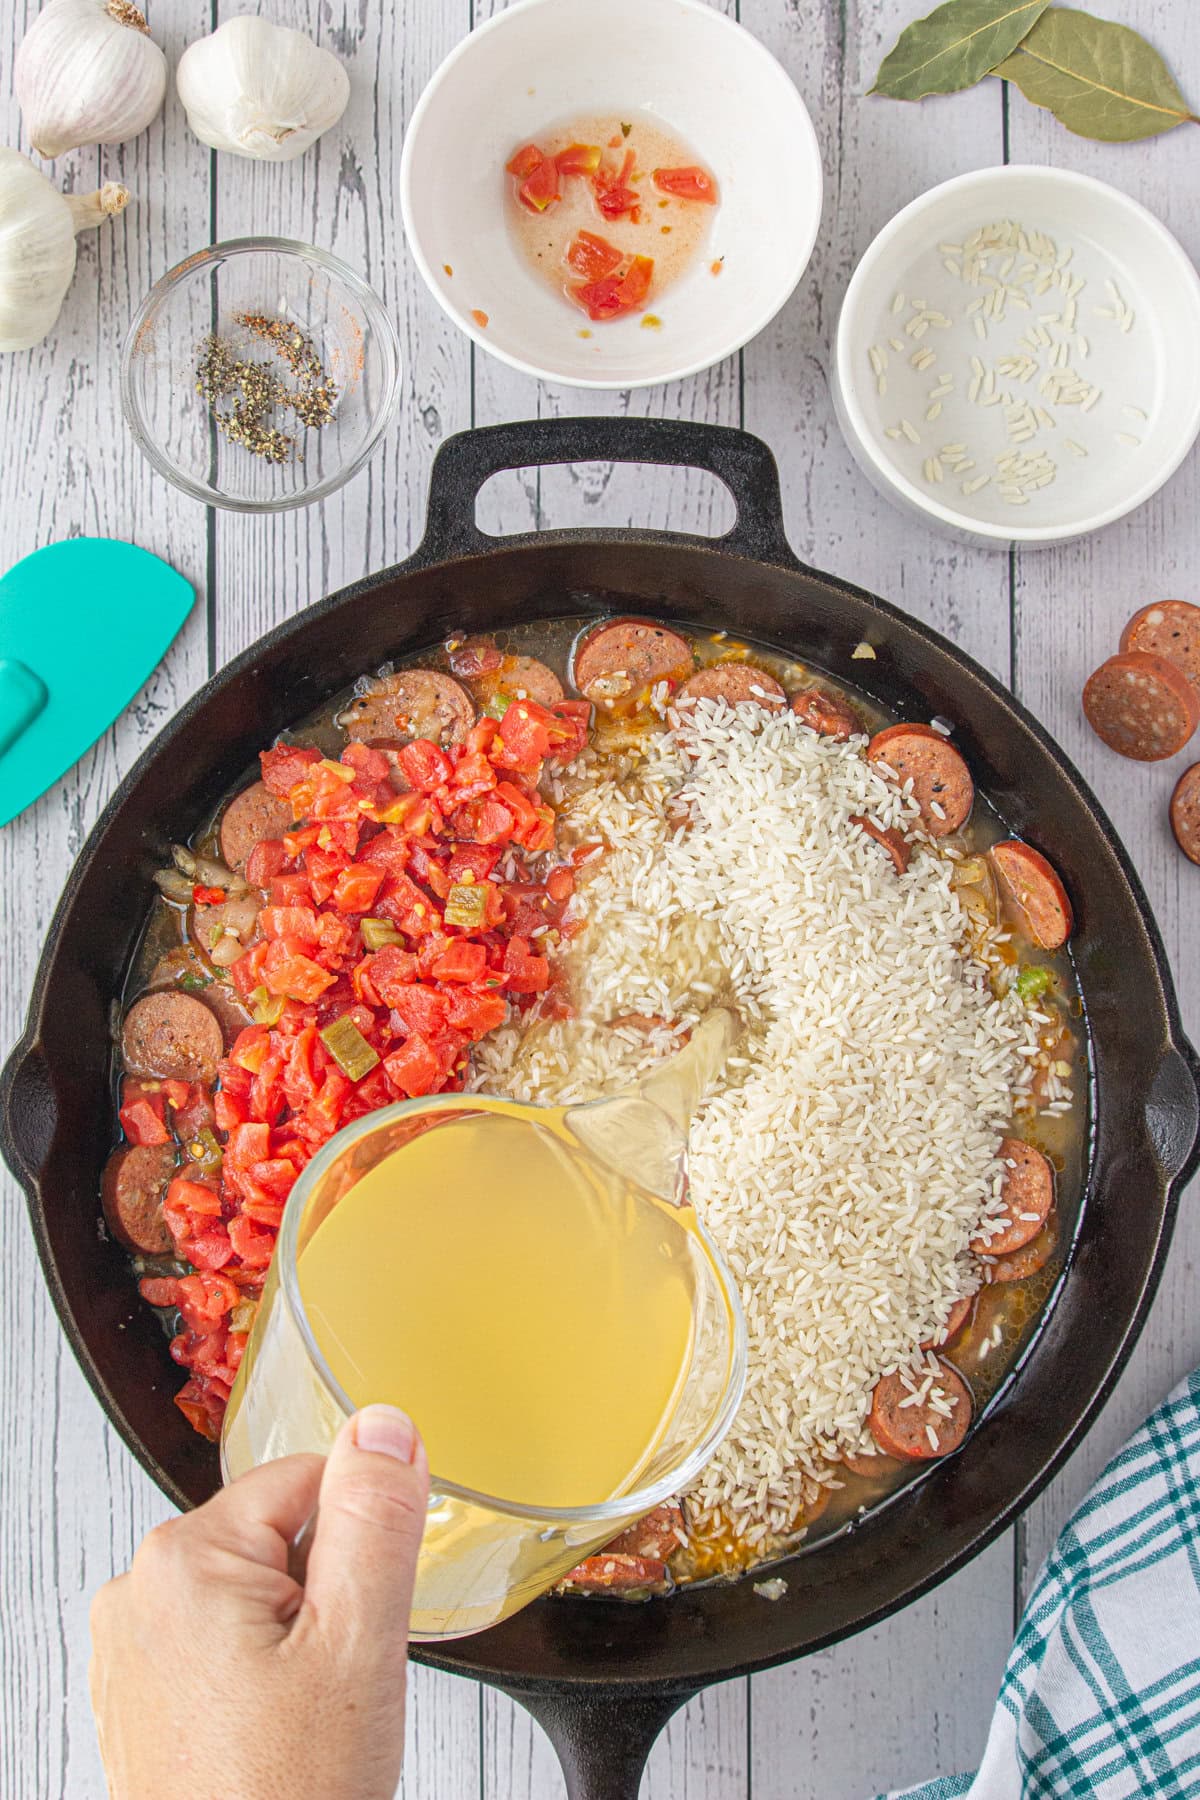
331	305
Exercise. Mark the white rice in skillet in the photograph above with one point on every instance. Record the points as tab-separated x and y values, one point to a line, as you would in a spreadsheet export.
847	1157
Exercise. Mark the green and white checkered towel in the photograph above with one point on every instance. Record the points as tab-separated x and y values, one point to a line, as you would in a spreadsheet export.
1101	1695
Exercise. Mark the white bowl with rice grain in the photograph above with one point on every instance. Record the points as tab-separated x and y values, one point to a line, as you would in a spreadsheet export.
1017	357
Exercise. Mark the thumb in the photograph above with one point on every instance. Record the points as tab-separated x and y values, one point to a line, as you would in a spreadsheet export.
370	1518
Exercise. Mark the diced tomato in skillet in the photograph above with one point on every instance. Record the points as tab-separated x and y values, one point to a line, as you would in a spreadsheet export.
360	863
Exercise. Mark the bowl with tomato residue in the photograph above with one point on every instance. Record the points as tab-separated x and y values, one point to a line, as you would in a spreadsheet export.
678	66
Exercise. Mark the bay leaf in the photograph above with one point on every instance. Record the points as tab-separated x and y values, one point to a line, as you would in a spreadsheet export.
955	46
1100	80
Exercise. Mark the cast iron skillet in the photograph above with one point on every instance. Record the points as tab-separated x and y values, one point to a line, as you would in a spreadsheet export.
600	1676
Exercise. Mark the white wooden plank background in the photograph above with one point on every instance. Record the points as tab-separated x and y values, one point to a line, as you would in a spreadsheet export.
1040	620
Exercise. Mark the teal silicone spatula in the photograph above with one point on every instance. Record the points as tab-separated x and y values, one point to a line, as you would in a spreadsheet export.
83	625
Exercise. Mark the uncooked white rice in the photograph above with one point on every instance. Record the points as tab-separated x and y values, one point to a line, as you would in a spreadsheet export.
848	1155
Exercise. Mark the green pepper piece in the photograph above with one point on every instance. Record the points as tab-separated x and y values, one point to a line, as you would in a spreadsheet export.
268	1007
378	932
1033	982
497	704
205	1150
466	905
349	1048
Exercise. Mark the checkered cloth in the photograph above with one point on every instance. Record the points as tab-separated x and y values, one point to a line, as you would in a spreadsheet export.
1101	1696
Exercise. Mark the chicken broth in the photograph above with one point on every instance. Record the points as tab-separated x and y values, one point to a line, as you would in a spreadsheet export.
539	663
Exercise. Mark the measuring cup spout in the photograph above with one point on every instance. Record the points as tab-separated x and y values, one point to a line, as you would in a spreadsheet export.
679	1086
644	1133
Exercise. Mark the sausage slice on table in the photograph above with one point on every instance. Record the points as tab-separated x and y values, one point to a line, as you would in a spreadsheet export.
1185	812
254	814
412	703
825	713
734	683
131	1192
617	663
1035	887
1027	1191
921	1413
172	1037
941	781
1170	629
1141	706
893	841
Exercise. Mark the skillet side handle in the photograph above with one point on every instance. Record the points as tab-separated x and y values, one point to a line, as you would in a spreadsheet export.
602	1739
1173	1112
742	462
28	1114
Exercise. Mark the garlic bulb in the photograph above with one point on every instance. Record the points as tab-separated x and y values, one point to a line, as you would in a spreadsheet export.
37	246
261	90
88	72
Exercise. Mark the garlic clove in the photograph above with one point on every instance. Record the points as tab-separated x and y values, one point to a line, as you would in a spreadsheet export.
261	90
88	72
37	246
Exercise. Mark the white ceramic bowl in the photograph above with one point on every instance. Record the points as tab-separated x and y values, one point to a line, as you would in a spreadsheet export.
535	66
1134	340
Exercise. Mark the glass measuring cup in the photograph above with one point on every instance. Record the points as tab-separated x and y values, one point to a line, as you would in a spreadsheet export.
485	1556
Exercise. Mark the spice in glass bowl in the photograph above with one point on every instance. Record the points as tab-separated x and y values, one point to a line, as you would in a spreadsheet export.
258	395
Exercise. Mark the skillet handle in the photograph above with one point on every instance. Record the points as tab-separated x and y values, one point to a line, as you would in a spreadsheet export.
602	1739
28	1112
1173	1112
743	462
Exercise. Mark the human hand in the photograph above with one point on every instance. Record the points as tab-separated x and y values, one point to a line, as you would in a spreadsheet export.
216	1675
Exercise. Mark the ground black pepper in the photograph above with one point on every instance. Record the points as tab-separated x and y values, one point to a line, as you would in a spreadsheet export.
257	394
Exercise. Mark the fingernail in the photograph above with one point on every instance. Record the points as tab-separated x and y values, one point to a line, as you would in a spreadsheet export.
386	1431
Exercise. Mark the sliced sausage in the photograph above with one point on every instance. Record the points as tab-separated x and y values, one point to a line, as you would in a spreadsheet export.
254	814
185	966
941	781
131	1192
472	657
1027	1191
893	841
521	678
919	1414
412	703
617	1574
871	1465
1185	812
825	713
1028	1260
1141	706
1170	629
172	1037
735	683
617	663
657	1536
1035	887
960	1312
